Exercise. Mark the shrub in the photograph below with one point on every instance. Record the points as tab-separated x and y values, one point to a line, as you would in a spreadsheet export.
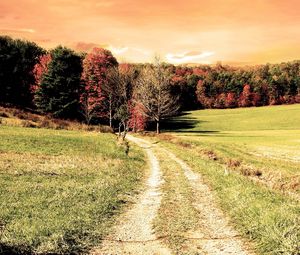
27	123
61	124
4	115
44	123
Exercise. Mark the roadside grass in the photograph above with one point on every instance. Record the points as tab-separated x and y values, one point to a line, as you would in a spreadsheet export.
176	215
268	218
60	190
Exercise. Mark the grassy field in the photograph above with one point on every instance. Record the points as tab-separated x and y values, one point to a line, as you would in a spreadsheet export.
60	190
250	158
266	139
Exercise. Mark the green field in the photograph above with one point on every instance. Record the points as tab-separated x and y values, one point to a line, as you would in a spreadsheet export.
60	190
250	157
266	139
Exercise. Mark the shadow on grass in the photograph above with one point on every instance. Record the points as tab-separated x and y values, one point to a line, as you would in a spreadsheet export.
27	250
15	250
184	124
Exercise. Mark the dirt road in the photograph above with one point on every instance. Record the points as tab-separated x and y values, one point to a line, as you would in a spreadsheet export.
134	233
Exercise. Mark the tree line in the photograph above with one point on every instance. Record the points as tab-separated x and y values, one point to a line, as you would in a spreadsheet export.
92	87
95	88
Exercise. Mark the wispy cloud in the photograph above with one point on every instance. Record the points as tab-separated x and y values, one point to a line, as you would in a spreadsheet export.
188	56
118	50
88	46
17	30
126	50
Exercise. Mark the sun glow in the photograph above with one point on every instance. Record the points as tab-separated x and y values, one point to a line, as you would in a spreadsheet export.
231	31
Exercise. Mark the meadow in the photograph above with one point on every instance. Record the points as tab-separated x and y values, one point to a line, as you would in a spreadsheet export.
250	159
264	141
60	190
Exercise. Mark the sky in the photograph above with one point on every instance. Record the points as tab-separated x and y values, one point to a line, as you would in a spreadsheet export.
237	32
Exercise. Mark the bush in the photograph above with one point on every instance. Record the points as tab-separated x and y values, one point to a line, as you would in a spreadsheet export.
33	118
4	115
61	124
27	123
44	123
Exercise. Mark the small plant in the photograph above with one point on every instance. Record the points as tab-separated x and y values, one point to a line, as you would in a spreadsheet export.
45	123
4	115
61	124
27	123
233	163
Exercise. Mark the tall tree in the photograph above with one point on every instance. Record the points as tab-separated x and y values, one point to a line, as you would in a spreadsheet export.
60	88
40	69
154	93
119	87
17	61
94	100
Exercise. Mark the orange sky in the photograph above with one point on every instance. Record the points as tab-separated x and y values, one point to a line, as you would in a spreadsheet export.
185	31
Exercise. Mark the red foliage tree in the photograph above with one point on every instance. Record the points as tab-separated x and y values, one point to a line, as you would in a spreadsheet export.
205	101
138	119
245	97
220	101
95	66
256	99
39	70
231	101
198	71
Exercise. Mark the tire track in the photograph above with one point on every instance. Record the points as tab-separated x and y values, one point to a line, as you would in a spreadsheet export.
134	233
214	235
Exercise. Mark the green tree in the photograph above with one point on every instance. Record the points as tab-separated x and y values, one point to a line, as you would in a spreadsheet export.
60	89
17	61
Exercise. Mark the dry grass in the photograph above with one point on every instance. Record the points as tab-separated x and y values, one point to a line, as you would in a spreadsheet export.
20	118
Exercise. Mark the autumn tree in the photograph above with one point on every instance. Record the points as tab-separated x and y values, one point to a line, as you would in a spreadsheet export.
138	119
40	69
245	97
154	93
17	60
94	98
60	88
231	101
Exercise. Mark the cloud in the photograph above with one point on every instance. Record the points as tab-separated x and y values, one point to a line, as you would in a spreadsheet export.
144	52
118	50
17	30
86	47
128	50
188	56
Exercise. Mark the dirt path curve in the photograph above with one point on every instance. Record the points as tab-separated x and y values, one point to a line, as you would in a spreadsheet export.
134	233
214	235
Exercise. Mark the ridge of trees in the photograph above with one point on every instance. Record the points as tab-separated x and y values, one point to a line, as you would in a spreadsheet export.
95	88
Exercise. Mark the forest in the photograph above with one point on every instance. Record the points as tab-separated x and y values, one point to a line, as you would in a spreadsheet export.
93	87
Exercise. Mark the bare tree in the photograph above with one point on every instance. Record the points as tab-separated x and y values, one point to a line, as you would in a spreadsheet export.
109	89
154	92
119	92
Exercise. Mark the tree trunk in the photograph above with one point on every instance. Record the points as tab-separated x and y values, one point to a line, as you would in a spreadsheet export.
157	127
119	134
110	114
